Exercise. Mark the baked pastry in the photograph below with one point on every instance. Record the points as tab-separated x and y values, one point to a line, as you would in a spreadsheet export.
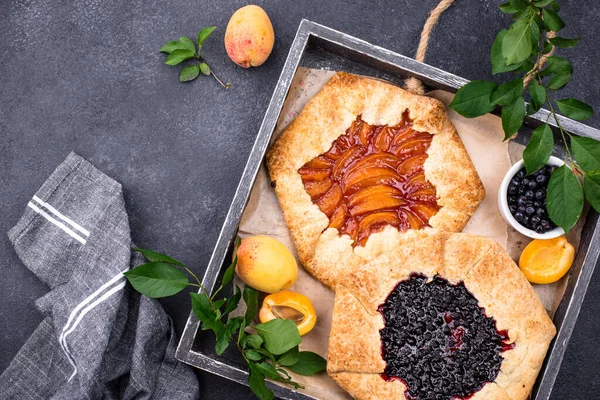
363	157
448	317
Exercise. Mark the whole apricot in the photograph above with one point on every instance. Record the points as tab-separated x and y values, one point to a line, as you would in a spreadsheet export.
249	36
266	264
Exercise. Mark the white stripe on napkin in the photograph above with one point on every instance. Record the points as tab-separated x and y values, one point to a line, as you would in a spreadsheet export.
85	311
61	216
57	223
62	337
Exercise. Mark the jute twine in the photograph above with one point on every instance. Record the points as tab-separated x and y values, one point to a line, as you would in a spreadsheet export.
416	86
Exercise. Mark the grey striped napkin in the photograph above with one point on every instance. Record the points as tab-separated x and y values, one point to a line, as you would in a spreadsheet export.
100	338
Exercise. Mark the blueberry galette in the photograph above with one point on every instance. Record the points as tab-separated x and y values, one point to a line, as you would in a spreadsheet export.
363	157
448	317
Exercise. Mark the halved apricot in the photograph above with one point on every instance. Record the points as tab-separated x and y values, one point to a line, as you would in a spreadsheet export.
414	222
319	162
338	218
289	305
546	261
416	145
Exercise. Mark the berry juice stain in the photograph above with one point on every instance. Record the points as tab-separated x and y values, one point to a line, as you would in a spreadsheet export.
438	341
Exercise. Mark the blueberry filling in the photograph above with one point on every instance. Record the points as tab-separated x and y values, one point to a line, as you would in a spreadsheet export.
527	199
438	341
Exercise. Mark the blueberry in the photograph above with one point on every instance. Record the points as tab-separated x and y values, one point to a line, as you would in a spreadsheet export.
532	184
540	194
525	182
540	211
522	201
541	178
513	189
512	199
529	210
512	208
519	216
521	208
526	222
545	224
537	204
529	194
521	173
535	220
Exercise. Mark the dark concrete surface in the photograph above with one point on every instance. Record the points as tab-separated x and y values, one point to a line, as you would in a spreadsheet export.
87	76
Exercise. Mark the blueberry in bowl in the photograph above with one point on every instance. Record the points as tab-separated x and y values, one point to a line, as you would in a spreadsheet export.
522	200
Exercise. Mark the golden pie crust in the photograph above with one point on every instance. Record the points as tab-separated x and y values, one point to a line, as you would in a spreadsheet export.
326	117
355	359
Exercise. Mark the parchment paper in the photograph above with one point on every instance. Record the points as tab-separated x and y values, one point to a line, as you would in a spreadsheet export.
492	158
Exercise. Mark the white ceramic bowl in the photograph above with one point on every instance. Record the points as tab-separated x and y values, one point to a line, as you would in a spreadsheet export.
503	203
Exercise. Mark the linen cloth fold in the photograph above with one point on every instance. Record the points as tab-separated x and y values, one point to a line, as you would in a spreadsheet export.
100	338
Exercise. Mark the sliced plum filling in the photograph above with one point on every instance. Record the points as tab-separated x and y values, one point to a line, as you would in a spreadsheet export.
438	341
372	176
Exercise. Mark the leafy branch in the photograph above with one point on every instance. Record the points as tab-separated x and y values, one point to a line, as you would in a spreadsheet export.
185	49
527	48
266	352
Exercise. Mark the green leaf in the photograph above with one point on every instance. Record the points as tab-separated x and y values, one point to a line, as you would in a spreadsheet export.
288	358
157	279
154	256
309	363
256	380
188	43
205	68
554	6
228	274
508	92
559	80
268	370
266	353
233	301
539	149
564	198
474	99
280	335
557	65
204	34
586	152
538	95
219	303
253	355
564	42
519	4
222	340
517	43
512	117
525	13
205	313
234	324
496	57
508	8
542	3
177	56
254	341
591	187
172	46
251	300
552	20
575	109
535	34
547	47
189	73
